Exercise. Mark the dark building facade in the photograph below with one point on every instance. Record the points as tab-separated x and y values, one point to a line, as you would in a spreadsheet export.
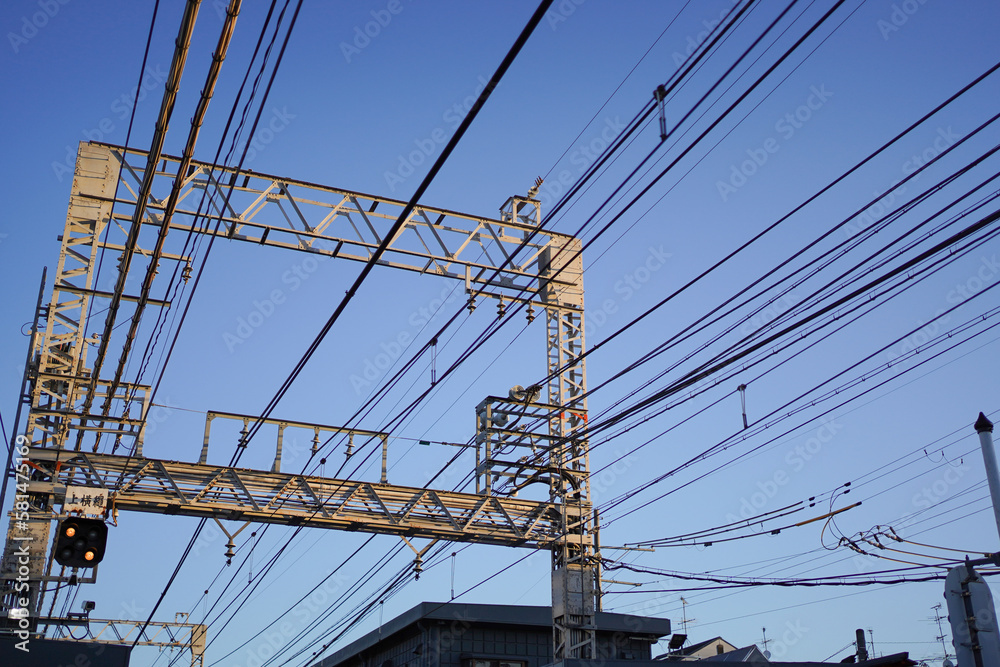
435	634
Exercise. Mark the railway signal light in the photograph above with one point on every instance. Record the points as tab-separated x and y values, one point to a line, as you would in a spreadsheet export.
81	542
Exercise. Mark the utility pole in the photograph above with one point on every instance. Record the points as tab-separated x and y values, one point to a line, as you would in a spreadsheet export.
970	603
984	427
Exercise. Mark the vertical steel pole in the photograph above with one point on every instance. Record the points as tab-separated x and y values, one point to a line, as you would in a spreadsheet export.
984	427
7	471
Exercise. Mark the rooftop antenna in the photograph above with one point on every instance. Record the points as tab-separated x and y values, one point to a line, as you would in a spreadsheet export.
765	641
938	618
685	621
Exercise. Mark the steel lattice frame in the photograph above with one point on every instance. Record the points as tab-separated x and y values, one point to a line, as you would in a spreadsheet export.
522	264
164	634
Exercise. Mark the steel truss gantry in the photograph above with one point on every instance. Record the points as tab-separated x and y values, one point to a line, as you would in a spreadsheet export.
520	264
202	490
165	634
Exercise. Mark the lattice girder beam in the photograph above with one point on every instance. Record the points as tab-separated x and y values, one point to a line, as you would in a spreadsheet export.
575	574
60	350
298	215
164	634
201	490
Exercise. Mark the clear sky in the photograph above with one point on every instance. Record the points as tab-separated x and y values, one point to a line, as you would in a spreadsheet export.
364	99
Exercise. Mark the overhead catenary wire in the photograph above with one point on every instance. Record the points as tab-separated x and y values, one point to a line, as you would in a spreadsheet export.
696	376
772	226
522	38
490	332
713	30
201	524
595	427
845	402
171	88
404	214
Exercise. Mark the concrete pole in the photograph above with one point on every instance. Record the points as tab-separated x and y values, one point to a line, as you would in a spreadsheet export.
984	427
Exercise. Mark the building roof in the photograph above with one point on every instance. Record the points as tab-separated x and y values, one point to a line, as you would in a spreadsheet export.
694	648
497	614
746	654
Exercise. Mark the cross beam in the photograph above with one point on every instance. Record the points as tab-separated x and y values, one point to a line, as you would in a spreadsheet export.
164	634
201	490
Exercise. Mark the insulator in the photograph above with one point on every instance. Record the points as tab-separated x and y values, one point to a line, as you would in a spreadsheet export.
531	313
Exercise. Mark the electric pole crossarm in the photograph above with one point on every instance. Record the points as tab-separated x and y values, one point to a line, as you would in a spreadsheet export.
192	489
297	215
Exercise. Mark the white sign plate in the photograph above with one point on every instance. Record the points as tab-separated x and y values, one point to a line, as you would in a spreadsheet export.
86	500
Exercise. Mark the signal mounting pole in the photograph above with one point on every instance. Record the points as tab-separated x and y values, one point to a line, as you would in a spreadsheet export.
971	611
984	427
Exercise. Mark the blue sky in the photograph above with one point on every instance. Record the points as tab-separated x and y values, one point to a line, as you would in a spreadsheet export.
350	110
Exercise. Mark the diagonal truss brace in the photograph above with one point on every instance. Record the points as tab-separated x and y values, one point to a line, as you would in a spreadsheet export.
203	490
297	215
157	633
